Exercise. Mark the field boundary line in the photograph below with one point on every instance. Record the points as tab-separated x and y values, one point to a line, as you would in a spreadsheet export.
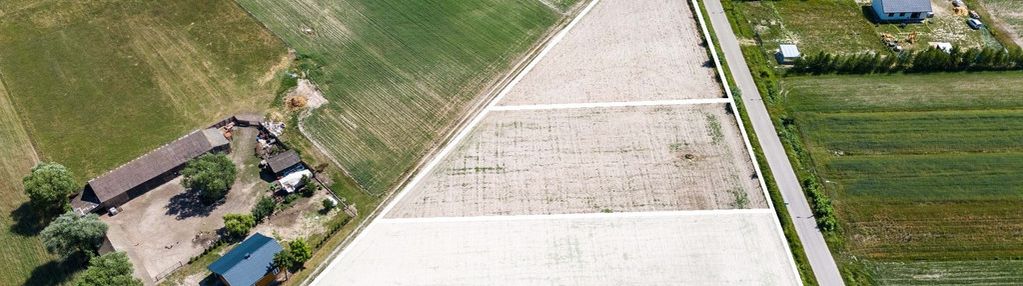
639	214
696	4
611	104
453	142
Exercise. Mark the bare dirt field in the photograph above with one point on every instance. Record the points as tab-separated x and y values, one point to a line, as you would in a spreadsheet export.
598	249
167	226
301	220
624	50
687	157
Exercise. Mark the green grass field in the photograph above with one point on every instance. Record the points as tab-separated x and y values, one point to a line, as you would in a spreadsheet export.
920	168
399	73
101	82
94	84
991	272
23	256
1009	12
841	26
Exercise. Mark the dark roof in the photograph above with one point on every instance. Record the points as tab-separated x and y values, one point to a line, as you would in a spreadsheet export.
155	163
249	118
248	262
283	161
901	6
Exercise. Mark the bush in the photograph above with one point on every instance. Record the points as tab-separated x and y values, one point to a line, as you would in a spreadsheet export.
238	225
928	60
300	251
328	205
49	186
264	208
211	174
111	269
309	187
71	234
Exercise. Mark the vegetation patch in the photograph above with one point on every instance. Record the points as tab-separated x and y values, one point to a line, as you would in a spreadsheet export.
99	83
924	171
398	73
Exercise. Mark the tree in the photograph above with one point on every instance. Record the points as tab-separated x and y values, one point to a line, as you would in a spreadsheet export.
49	186
284	260
328	205
308	186
71	234
111	269
300	251
211	174
238	225
264	208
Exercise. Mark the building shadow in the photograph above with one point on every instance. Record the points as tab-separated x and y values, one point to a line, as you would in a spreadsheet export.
57	272
27	222
189	204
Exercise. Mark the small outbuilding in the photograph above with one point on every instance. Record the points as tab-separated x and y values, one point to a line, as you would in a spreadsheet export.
904	11
249	263
788	54
248	119
283	161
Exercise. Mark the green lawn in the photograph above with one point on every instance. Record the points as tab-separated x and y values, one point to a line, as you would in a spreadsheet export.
93	84
990	272
843	26
920	168
399	73
101	82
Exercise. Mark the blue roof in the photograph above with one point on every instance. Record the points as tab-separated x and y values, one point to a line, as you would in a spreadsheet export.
901	6
248	262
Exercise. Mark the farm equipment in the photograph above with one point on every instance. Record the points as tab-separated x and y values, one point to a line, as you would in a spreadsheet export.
891	42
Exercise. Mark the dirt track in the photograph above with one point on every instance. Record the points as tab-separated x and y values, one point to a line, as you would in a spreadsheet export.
591	160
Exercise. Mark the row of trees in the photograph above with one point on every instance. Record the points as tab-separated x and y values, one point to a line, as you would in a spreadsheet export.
928	60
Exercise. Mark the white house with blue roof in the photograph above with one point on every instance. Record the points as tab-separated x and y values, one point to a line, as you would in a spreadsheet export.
249	263
901	10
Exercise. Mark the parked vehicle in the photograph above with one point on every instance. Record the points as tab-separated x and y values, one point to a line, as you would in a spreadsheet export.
975	24
973	14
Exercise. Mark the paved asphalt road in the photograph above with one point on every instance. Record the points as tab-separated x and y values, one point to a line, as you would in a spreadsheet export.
813	241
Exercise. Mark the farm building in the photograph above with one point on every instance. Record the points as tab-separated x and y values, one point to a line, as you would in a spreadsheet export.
247	119
147	172
901	10
787	54
283	161
250	263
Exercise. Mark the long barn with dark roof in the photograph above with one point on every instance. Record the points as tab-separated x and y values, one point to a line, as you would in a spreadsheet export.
147	172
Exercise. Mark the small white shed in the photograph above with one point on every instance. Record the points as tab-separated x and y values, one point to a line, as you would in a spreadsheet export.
787	54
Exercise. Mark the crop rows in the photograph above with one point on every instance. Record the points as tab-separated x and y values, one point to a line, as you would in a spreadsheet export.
920	167
397	73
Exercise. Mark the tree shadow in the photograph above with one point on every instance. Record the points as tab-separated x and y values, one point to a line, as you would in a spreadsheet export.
57	272
27	222
189	204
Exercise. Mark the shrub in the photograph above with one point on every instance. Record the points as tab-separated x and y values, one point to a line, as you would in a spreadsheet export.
300	251
264	208
308	186
328	205
238	225
71	234
111	269
211	174
49	186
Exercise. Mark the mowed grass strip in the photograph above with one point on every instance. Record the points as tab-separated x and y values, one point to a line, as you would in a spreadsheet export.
932	177
984	272
397	73
914	132
99	83
20	253
920	168
875	93
953	230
